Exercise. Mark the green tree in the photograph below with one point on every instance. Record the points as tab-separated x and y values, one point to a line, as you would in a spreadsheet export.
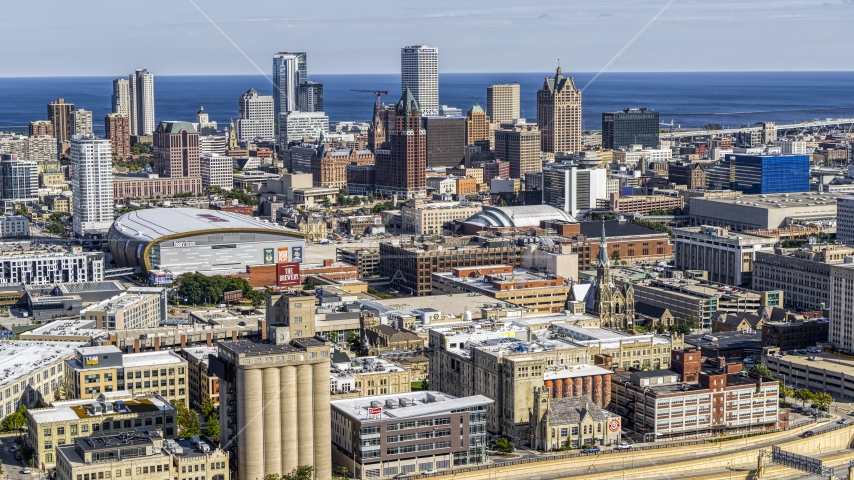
326	203
803	395
302	472
61	391
188	421
56	228
615	256
354	341
379	208
209	408
681	329
713	126
504	446
760	369
822	400
15	421
785	390
333	337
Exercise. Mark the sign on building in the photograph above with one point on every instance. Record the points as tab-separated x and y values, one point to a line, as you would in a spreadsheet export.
287	274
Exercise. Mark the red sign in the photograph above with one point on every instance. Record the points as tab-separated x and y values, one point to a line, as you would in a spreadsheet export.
614	425
287	274
375	410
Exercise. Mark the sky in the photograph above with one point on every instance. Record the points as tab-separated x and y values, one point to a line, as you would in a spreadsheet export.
174	37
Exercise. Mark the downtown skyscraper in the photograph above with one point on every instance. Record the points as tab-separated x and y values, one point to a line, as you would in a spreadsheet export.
402	167
289	72
92	184
419	72
120	99
141	102
559	114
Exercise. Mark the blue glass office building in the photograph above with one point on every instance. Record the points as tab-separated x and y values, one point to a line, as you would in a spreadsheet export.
754	174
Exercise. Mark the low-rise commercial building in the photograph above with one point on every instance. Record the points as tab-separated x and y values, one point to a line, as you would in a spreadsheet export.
144	456
726	256
795	335
95	370
691	400
750	212
151	186
425	217
388	435
113	412
368	376
14	226
367	259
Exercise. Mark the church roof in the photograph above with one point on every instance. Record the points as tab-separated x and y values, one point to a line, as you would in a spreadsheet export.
570	410
650	311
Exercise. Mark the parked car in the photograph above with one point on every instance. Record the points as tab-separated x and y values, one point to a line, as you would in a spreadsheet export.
808	433
593	449
13	449
429	472
401	475
25	470
623	446
844	421
17	456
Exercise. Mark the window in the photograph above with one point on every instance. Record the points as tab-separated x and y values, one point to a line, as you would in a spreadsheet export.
563	432
73	429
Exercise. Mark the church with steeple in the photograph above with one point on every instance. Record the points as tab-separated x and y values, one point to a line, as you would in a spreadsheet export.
614	305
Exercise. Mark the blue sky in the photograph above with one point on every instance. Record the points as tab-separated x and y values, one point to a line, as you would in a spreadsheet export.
111	37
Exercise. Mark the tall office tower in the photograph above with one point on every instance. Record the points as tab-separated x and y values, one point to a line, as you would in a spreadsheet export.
841	328
559	114
477	125
175	149
256	117
419	72
763	174
57	112
79	122
204	126
845	220
120	99
520	147
19	179
572	189
632	126
92	184
274	394
216	170
289	72
376	132
38	128
502	102
117	130
141	102
310	96
402	168
446	141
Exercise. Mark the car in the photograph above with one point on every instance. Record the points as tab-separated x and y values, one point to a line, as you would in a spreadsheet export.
808	433
844	421
13	449
429	472
401	475
623	446
593	449
18	456
242	324
25	470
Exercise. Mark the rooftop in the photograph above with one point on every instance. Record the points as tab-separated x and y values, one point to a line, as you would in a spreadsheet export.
778	200
614	228
365	366
19	359
119	302
71	410
200	353
424	403
153	223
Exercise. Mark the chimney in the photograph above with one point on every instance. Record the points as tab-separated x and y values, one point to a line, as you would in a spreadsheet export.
234	335
209	339
262	326
328	263
135	345
183	341
156	344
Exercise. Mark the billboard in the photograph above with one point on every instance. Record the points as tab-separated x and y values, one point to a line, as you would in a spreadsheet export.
287	274
296	254
269	257
283	255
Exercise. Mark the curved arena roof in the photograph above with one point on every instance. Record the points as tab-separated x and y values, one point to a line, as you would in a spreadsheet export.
153	223
521	216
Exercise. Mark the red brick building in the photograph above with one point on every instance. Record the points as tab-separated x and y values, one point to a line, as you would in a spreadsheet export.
42	127
227	206
402	168
153	187
176	150
117	130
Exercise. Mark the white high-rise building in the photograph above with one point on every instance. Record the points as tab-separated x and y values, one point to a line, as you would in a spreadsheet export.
419	72
203	124
574	190
19	179
120	99
296	125
141	103
502	102
256	117
289	71
92	184
216	170
79	122
792	147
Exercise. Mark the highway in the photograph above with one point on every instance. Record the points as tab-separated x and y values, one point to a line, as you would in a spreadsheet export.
707	133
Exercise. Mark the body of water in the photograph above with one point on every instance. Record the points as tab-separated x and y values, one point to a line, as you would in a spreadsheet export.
688	99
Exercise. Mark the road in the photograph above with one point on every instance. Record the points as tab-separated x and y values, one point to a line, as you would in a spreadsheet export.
11	467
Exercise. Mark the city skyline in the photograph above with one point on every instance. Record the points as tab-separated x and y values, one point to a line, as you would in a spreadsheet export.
443	25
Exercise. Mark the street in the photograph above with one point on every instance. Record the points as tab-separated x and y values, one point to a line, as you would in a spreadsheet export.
12	468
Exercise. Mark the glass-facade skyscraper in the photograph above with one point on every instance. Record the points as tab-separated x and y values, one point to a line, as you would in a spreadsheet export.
632	126
289	72
755	174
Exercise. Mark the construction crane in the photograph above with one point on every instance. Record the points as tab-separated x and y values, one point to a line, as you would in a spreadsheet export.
378	93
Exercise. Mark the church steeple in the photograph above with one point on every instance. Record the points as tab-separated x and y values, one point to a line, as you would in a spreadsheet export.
602	258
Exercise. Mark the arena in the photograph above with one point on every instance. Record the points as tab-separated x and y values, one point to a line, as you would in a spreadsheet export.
179	240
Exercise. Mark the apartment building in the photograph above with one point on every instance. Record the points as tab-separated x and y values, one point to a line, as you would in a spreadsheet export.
204	384
151	186
110	412
519	146
803	274
368	376
95	370
728	257
144	456
216	171
388	435
692	400
46	267
128	311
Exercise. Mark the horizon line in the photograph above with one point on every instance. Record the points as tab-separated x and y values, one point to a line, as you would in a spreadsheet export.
440	73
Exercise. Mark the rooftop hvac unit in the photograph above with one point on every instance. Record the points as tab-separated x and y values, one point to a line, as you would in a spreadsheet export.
406	402
392	403
194	439
376	403
204	447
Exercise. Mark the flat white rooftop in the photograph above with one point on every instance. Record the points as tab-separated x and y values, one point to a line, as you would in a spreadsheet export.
574	371
143	359
200	353
423	404
19	359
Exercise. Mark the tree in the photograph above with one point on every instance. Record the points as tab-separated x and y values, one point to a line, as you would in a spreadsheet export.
713	126
60	392
326	203
691	321
760	369
56	228
681	329
212	428
504	446
354	341
209	408
188	421
822	400
302	472
803	395
333	337
615	256
15	421
785	390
